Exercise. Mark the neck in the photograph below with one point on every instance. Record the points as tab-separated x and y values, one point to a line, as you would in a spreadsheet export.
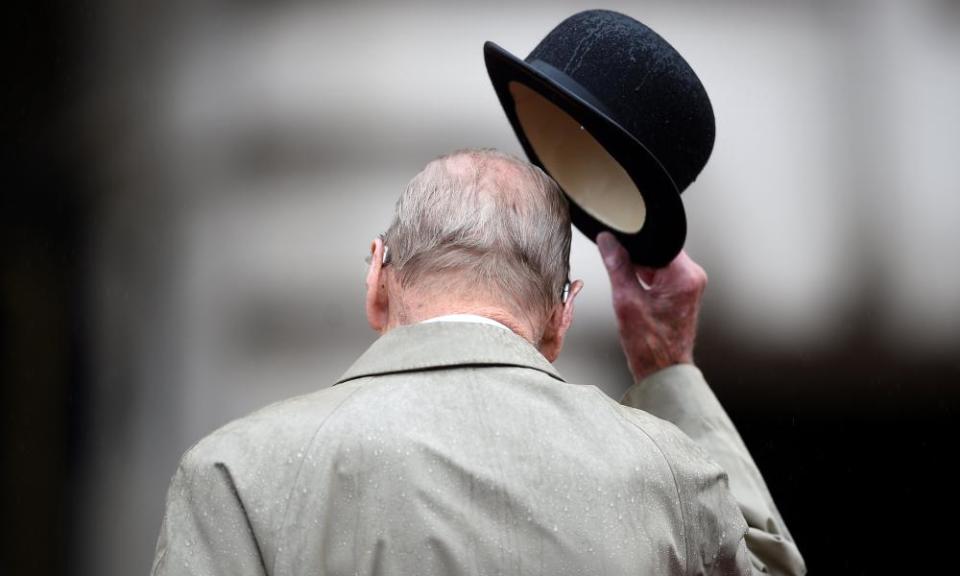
414	312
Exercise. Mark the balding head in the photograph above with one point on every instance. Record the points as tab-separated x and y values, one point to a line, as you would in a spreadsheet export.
481	226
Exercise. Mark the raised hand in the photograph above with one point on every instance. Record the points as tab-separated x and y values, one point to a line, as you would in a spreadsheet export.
656	309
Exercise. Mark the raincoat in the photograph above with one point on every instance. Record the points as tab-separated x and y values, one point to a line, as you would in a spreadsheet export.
456	448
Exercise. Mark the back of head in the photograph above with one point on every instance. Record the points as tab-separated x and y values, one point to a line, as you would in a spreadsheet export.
483	226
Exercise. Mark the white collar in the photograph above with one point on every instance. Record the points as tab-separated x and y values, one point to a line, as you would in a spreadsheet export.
466	318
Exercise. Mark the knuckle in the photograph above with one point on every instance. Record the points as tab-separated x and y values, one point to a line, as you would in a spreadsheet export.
702	278
696	278
619	301
623	304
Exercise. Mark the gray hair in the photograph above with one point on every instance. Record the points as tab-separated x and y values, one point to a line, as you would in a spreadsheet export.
487	222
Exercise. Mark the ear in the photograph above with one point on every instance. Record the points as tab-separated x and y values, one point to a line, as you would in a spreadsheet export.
560	320
378	304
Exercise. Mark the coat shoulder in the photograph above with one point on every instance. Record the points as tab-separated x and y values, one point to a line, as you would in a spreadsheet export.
274	432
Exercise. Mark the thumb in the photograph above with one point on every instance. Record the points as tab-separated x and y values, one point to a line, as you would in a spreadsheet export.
617	262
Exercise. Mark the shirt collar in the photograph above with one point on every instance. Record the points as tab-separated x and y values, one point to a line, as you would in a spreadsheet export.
442	344
466	318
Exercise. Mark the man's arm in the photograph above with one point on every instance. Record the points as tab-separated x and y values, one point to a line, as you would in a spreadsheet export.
657	325
205	527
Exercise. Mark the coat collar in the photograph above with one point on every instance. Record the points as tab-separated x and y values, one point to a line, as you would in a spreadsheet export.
444	345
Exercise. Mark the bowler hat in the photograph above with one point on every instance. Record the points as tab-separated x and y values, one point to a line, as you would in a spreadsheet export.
618	118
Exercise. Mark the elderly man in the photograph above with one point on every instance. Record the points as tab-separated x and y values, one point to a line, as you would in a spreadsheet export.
453	446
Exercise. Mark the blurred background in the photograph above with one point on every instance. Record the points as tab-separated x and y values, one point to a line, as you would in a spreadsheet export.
190	188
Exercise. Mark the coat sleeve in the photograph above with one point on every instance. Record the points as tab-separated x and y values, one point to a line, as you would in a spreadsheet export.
680	395
205	527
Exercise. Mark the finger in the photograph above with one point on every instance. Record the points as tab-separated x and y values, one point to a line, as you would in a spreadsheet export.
676	268
681	275
684	266
654	277
647	276
618	264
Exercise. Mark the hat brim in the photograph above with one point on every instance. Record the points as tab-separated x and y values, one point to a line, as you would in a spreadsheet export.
664	229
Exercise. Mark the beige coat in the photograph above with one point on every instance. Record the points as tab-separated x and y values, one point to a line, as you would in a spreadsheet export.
455	448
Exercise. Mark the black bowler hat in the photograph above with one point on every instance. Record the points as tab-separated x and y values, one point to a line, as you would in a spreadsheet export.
618	118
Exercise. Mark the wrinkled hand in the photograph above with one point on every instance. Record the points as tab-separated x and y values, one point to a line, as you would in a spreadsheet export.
657	324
